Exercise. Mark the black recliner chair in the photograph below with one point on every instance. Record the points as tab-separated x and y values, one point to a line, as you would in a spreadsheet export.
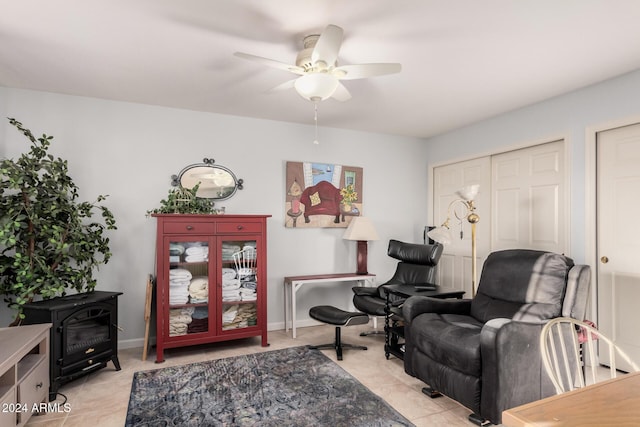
417	266
484	352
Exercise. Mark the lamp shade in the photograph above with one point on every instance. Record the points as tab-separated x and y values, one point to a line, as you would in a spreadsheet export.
469	192
441	235
316	86
360	228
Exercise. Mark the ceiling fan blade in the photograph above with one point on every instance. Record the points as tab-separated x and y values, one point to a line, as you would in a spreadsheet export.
341	93
283	86
328	46
361	71
270	63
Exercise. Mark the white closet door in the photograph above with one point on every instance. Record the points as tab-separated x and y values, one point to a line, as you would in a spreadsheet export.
523	204
618	238
454	269
529	194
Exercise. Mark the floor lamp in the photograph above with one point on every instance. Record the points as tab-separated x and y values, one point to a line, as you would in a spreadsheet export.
443	235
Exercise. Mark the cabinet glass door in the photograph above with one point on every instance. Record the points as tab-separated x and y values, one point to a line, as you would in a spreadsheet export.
188	294
239	261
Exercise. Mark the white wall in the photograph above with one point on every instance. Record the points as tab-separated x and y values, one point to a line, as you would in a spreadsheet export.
129	151
566	116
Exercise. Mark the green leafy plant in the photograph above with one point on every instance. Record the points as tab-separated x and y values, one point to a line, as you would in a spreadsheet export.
49	240
182	200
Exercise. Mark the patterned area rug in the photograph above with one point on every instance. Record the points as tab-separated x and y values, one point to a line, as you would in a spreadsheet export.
291	387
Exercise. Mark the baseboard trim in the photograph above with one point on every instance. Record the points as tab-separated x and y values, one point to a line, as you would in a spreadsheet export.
275	326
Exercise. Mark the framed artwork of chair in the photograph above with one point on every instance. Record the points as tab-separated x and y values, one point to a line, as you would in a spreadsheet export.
322	194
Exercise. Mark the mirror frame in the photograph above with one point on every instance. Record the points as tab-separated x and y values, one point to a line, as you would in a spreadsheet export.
176	180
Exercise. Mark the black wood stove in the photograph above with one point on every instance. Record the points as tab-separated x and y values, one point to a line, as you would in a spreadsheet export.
84	334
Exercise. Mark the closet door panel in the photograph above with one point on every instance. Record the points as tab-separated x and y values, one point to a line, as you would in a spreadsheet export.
528	192
454	268
507	216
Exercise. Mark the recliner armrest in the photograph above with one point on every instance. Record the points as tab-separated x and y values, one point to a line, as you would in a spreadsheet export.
416	305
511	352
364	291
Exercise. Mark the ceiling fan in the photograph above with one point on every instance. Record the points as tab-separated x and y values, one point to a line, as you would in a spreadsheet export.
318	69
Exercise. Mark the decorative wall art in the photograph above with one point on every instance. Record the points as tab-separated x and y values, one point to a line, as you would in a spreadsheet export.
322	194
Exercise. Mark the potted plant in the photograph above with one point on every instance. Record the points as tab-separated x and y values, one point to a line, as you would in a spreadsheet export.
49	240
349	195
182	200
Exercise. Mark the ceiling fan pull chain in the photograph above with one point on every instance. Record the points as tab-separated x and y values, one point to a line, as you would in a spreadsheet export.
315	118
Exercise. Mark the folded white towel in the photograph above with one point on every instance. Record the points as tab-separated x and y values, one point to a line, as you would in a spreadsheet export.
197	250
179	283
231	294
231	297
176	249
228	273
195	258
180	273
230	283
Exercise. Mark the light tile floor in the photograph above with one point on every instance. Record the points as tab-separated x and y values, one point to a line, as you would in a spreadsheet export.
100	399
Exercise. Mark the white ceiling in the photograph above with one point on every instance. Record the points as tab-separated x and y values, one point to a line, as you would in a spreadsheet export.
463	60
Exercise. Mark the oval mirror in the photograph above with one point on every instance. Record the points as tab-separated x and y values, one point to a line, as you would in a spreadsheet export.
216	182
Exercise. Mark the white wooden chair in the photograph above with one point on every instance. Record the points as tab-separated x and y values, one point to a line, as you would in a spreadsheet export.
565	342
245	261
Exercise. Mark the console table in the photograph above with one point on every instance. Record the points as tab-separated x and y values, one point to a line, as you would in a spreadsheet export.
293	283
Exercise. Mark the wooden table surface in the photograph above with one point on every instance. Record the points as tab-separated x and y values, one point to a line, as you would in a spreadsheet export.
614	402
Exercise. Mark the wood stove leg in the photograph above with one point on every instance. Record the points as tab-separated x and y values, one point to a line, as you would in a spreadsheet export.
116	362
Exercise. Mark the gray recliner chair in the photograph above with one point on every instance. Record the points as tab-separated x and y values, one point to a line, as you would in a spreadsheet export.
484	352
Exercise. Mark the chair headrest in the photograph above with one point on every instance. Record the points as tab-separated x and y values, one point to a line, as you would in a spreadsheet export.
415	253
521	284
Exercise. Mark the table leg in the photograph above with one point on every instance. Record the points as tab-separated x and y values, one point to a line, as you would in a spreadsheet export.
294	288
286	307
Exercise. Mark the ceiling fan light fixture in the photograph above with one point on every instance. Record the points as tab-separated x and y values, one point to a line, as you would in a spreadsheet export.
316	86
317	64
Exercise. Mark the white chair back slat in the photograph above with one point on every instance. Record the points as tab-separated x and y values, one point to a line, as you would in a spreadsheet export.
563	353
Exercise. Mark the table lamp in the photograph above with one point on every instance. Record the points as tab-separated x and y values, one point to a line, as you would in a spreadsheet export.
361	229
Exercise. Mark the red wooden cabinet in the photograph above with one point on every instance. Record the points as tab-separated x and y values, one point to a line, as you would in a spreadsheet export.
211	279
